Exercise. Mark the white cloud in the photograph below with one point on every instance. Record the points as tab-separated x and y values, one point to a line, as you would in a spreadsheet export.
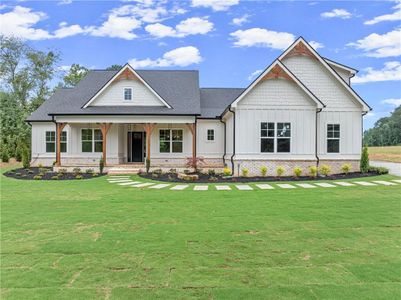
64	2
316	45
216	5
395	16
240	21
380	45
147	12
190	26
181	57
336	13
390	72
19	22
392	101
260	37
65	31
254	74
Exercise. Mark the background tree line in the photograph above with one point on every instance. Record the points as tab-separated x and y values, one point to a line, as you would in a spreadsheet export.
386	131
27	79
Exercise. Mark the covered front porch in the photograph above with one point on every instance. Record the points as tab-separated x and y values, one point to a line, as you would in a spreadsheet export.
124	142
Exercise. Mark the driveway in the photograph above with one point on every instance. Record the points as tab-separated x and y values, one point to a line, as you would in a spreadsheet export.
394	168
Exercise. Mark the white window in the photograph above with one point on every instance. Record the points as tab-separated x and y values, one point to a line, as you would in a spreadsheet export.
128	94
170	140
333	138
51	141
210	134
91	139
275	137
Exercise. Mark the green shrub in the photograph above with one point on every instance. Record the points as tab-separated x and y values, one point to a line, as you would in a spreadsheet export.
244	172
5	155
89	171
325	170
42	170
55	177
364	160
213	178
297	171
173	171
25	158
147	165
280	171
18	174
157	171
78	177
41	174
378	170
226	171
18	153
211	172
76	171
345	168
186	171
95	174
40	166
313	171
263	171
37	177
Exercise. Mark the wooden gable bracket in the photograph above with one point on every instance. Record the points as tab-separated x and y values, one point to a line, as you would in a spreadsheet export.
277	72
300	50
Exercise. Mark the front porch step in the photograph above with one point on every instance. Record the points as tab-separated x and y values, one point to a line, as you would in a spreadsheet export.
117	171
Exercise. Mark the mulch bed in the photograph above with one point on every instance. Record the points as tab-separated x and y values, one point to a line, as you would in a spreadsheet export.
205	178
48	174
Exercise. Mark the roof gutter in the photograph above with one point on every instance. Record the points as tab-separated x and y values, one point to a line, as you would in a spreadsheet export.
232	156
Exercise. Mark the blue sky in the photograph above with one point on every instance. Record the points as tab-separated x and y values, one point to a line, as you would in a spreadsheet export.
228	41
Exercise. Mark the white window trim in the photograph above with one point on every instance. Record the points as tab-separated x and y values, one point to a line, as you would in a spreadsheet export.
132	93
93	140
207	135
55	141
274	138
339	140
171	141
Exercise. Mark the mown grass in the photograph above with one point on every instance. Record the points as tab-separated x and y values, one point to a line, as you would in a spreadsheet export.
390	153
95	240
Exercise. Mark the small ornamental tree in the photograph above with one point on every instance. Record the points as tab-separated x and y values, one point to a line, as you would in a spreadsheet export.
147	165
280	171
297	171
5	156
345	168
263	171
101	165
365	160
25	157
195	162
313	171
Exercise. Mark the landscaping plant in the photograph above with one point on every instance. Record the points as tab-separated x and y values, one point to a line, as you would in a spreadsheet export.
101	165
226	171
5	157
280	171
211	172
365	160
194	163
147	165
313	171
345	168
325	170
244	172
297	171
263	171
25	157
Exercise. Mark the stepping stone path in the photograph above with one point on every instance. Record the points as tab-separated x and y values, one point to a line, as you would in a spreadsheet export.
264	186
344	183
325	184
384	182
179	187
159	186
306	185
126	181
145	184
286	186
243	187
223	188
364	183
201	187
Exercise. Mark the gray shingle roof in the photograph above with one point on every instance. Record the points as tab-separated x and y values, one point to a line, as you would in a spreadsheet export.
180	89
215	100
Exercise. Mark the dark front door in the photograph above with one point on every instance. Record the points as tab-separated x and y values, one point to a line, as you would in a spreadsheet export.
135	146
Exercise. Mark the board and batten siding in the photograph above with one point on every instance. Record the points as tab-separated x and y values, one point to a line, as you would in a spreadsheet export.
209	149
275	100
114	95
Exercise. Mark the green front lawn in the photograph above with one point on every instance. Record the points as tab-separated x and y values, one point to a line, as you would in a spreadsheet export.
95	240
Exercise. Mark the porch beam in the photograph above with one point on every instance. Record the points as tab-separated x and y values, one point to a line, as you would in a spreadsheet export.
59	130
148	127
104	127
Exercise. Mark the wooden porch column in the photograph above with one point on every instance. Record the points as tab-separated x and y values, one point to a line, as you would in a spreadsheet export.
59	130
192	128
104	127
148	127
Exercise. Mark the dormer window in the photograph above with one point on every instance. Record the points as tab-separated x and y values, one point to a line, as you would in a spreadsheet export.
128	94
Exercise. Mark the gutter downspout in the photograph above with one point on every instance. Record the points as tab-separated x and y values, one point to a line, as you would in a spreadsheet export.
363	114
225	141
232	156
316	140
